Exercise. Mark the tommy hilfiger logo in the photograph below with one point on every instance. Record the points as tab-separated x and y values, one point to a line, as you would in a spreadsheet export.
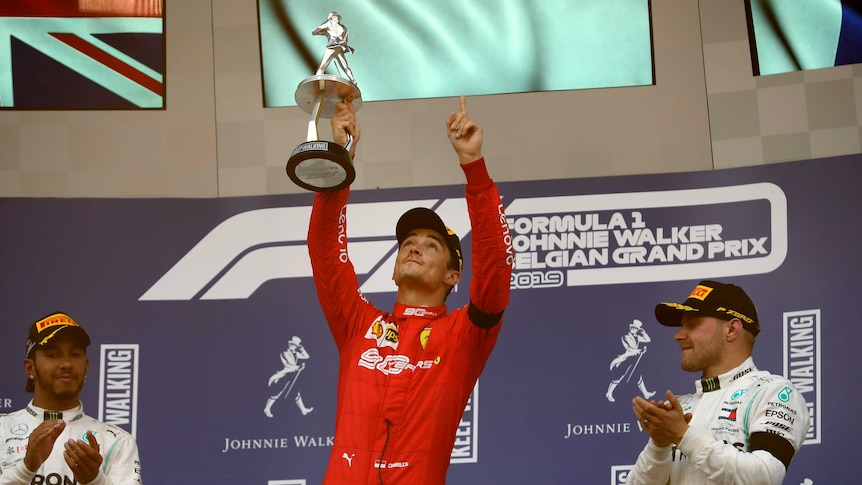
728	414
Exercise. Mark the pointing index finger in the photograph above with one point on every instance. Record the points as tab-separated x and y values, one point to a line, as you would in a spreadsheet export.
464	105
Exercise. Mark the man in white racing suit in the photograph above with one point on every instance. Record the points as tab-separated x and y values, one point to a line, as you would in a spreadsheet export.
51	440
742	425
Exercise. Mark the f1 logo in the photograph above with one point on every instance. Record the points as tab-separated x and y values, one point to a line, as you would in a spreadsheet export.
246	250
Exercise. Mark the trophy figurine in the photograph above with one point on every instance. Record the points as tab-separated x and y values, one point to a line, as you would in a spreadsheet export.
319	165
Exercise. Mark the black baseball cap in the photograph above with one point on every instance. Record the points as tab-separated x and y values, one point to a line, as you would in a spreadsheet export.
715	299
44	329
424	218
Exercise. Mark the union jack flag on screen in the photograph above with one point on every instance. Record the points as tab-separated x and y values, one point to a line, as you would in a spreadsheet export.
82	54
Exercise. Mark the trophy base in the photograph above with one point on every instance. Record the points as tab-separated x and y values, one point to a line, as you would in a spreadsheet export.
321	166
328	90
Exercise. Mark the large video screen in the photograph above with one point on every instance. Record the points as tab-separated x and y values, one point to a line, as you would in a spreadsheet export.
82	54
795	35
407	49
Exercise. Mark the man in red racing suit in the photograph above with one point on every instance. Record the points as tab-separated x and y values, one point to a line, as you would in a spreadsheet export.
405	376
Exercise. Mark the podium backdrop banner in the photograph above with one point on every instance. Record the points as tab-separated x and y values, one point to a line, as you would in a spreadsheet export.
209	345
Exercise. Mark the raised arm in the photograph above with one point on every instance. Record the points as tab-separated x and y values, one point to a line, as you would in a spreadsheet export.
492	254
465	135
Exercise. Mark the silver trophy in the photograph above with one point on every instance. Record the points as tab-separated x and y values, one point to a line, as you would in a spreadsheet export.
319	165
